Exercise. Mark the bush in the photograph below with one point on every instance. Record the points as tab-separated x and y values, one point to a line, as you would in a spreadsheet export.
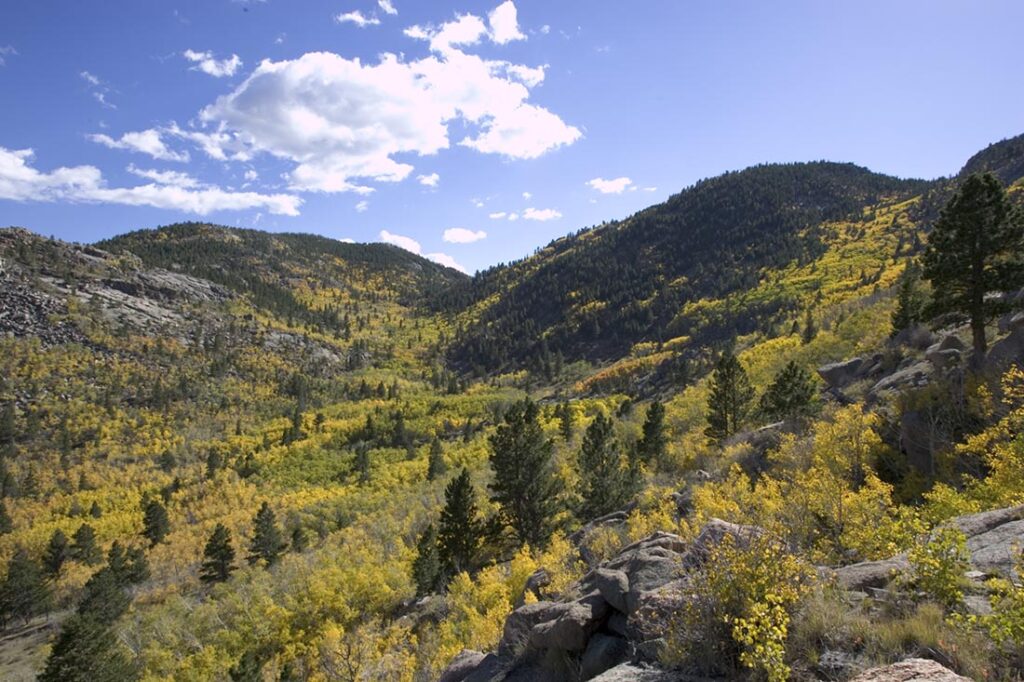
938	565
738	610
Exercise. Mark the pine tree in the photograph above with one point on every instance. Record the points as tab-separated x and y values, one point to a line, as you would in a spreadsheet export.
83	545
361	463
218	556
137	569
525	485
23	593
426	567
435	460
909	300
103	596
95	510
300	540
651	446
87	650
267	542
566	422
976	247
214	463
459	535
730	399
8	430
155	522
6	524
606	483
57	553
810	329
790	394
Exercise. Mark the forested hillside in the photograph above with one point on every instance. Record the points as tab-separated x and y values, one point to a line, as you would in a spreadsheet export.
749	433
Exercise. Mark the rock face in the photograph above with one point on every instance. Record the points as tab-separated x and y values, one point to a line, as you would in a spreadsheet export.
615	613
911	670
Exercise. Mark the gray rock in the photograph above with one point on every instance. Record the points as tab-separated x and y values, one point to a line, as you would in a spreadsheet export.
618	624
613	586
516	634
1005	352
977	605
634	672
982	522
572	629
870	574
911	670
914	376
537	581
944	359
603	652
996	550
843	373
464	664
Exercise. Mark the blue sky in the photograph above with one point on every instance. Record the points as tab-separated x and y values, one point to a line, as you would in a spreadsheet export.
432	125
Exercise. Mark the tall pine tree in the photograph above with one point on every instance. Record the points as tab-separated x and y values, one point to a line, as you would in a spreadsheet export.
790	394
909	300
975	248
607	482
426	567
525	485
459	534
267	543
730	399
155	522
218	556
651	446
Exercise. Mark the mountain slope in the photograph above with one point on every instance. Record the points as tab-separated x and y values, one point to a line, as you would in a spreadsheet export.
270	267
594	294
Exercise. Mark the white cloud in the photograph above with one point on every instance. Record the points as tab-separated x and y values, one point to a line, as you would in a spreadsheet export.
497	216
356	17
460	235
175	178
251	175
650	189
446	260
98	89
401	241
541	214
218	68
513	216
476	202
6	51
143	141
616	186
545	29
347	240
90	78
362	206
429	180
504	23
19	181
527	195
343	122
387	6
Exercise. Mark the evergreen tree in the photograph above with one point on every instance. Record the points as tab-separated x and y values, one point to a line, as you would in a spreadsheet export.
790	394
83	545
23	593
525	485
909	300
7	429
218	556
435	460
57	553
459	535
300	540
976	247
6	524
103	596
267	542
87	650
426	567
155	522
729	402
651	446
566	422
810	328
95	510
606	483
137	568
361	463
214	463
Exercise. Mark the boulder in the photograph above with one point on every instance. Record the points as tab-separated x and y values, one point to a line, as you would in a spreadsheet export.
465	663
634	672
613	586
602	652
943	359
982	522
572	629
1005	352
843	373
911	670
516	635
868	574
913	376
537	581
996	550
1010	322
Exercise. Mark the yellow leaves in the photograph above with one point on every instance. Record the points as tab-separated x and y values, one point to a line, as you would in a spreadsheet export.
477	611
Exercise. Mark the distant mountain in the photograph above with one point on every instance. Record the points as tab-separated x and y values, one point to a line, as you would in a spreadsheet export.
594	294
268	266
1004	158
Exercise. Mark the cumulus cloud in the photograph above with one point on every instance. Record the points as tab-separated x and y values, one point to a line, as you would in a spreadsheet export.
429	180
20	181
342	122
347	240
218	68
362	206
616	186
387	6
497	216
504	23
410	244
541	214
527	195
460	235
6	51
356	17
650	189
142	141
251	175
175	178
513	216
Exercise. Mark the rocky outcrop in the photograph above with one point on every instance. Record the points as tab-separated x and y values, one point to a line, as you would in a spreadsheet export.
26	311
617	613
911	670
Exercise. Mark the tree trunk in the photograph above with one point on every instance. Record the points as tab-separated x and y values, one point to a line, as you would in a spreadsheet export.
980	343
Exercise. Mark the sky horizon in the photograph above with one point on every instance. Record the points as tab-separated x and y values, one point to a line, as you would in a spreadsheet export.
471	132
